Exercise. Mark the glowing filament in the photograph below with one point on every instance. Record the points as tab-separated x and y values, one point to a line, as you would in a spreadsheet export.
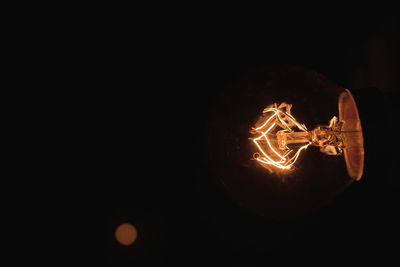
286	157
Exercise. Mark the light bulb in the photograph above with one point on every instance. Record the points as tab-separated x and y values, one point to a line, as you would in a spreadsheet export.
280	138
285	140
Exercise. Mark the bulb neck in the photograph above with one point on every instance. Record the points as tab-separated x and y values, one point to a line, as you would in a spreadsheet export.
328	138
287	138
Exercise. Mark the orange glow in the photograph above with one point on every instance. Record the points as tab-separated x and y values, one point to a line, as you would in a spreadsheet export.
283	119
126	234
265	123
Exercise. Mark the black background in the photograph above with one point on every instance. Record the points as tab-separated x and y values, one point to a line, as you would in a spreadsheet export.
157	86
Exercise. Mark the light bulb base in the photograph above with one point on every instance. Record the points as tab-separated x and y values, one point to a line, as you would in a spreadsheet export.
374	115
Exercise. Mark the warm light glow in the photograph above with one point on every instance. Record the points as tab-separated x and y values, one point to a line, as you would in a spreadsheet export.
126	234
287	122
278	131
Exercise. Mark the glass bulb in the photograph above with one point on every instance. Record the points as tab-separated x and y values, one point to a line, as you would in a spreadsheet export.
285	140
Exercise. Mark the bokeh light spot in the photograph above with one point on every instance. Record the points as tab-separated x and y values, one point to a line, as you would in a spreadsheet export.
126	234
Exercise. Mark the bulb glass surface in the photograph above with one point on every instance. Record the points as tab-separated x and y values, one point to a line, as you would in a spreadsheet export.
289	175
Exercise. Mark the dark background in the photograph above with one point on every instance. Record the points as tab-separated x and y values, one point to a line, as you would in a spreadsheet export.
157	89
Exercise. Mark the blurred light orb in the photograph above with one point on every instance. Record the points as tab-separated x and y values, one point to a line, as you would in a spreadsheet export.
126	234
